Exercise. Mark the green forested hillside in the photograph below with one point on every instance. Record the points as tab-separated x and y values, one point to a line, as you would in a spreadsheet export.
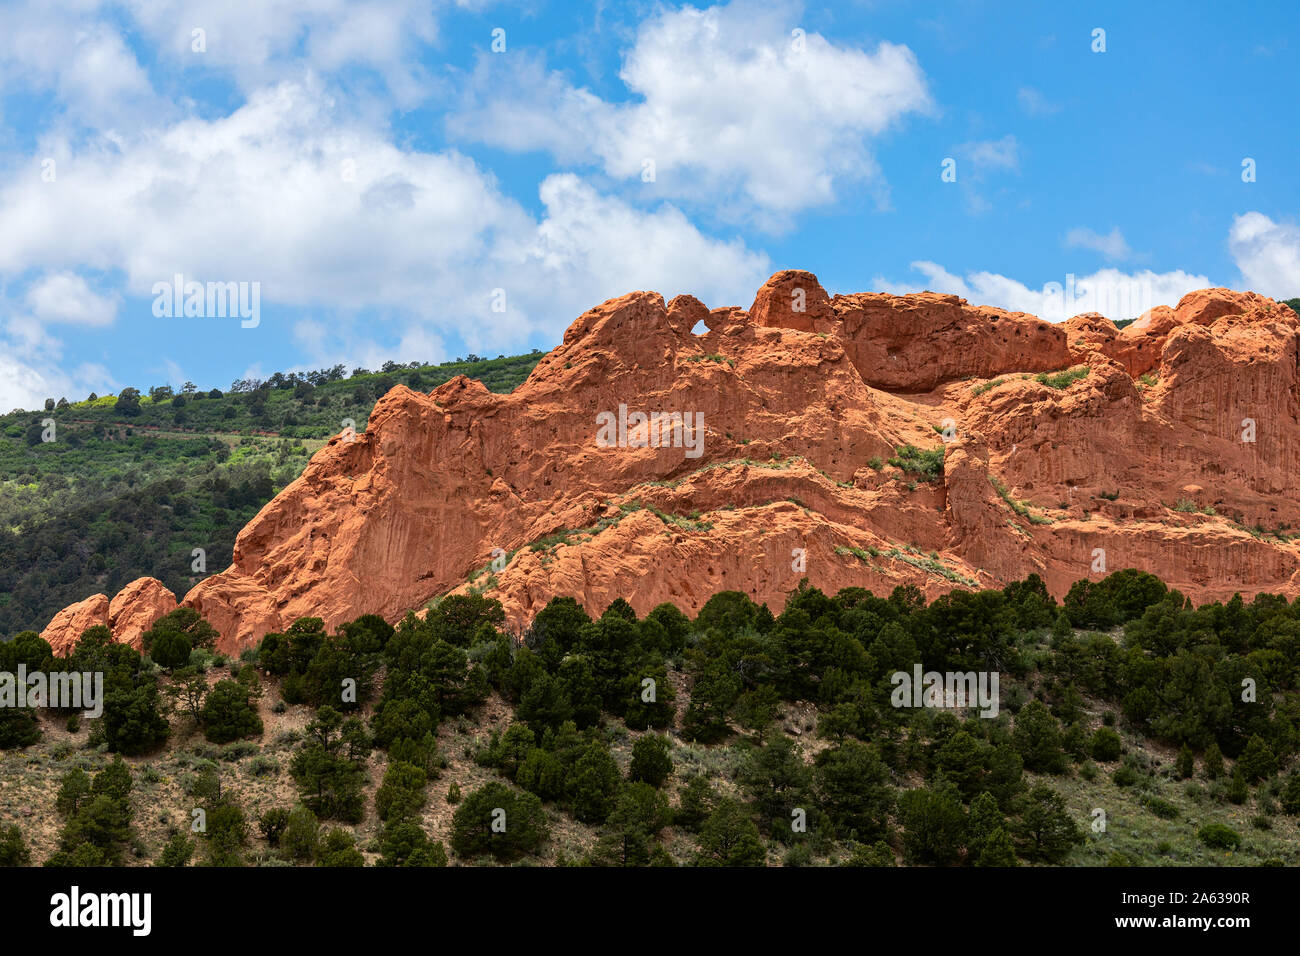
131	484
1127	728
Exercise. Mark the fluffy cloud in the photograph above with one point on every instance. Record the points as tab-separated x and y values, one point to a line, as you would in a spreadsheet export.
23	385
261	42
1267	253
326	213
728	104
64	47
1112	245
1115	294
67	297
31	372
78	50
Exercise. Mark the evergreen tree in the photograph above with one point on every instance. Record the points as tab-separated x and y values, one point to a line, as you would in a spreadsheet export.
934	826
301	834
729	838
1213	762
650	760
1045	830
339	848
853	786
997	850
499	821
228	713
329	768
13	849
640	812
1291	793
1037	739
592	785
1257	761
777	780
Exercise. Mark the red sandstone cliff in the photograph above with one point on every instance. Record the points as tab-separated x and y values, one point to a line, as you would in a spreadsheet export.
799	395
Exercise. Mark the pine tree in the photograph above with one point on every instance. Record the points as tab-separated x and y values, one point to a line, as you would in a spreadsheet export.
1213	762
650	760
1238	790
997	850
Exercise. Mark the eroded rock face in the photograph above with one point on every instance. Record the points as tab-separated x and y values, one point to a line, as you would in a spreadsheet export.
780	470
68	625
136	607
914	343
793	299
131	612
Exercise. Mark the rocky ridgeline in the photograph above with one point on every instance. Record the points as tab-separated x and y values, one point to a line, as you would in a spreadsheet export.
1172	446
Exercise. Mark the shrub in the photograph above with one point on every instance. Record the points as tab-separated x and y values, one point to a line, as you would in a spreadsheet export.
926	465
1062	379
499	821
1106	745
338	848
1291	794
13	849
1126	776
301	834
1216	836
1160	807
272	824
650	761
228	715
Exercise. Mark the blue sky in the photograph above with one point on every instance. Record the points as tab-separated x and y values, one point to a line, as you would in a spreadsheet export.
395	188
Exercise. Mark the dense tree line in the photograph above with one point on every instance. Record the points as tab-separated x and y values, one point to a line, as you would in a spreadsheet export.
884	783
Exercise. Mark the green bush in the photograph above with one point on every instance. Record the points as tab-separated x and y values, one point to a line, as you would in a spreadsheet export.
926	465
1062	379
498	821
1160	807
650	760
1217	836
1106	745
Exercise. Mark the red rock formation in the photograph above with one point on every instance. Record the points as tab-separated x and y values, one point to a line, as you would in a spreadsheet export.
132	611
793	299
136	607
62	632
1140	458
913	343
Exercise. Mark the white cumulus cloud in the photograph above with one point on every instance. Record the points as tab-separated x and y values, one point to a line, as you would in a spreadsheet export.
1115	294
733	105
324	212
67	297
1267	253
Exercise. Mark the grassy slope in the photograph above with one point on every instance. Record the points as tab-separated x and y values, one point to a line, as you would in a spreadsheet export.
29	782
